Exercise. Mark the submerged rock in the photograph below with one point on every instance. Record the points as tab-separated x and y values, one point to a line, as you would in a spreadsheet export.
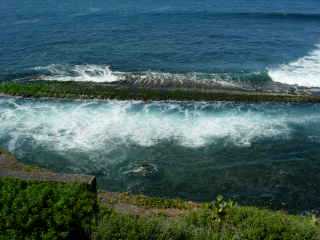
143	170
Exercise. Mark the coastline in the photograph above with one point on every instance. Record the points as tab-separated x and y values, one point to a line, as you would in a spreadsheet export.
92	214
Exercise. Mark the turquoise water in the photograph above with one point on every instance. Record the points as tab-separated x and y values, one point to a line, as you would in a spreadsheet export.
259	154
262	154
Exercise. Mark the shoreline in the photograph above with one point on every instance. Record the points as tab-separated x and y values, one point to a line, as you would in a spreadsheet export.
91	214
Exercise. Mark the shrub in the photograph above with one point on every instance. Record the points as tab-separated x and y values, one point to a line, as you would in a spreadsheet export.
37	210
34	210
237	222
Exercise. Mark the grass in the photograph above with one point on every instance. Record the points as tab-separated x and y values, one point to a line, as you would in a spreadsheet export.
86	90
150	202
38	210
221	220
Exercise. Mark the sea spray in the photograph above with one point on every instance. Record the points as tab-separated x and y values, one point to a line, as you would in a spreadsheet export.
81	73
303	72
104	74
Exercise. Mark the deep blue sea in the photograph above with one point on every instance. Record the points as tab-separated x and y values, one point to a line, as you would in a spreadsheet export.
231	37
258	154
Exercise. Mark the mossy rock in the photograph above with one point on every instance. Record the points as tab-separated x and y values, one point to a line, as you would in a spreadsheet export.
123	91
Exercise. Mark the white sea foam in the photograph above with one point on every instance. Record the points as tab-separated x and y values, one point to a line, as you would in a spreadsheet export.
102	126
103	73
80	73
303	72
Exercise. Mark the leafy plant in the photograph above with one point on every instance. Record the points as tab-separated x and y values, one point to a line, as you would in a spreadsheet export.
34	210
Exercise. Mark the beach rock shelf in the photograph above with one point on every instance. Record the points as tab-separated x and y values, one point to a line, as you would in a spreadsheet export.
125	90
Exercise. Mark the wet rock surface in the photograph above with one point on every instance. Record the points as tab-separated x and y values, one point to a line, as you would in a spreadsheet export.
142	170
155	90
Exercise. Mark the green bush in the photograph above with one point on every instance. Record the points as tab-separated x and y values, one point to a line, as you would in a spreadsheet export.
37	210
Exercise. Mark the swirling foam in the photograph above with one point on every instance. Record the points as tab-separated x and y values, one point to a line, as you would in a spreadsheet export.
303	72
102	126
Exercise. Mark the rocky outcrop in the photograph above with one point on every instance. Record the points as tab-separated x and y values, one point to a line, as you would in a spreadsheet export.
154	92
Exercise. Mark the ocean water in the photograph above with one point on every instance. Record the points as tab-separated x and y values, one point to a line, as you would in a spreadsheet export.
259	154
227	39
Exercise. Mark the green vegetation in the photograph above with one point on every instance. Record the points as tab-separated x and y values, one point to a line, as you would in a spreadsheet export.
86	90
220	220
38	210
34	210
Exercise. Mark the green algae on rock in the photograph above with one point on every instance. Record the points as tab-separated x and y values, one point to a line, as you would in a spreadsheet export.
125	91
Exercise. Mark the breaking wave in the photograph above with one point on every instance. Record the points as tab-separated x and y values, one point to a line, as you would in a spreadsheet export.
103	73
80	73
302	72
103	126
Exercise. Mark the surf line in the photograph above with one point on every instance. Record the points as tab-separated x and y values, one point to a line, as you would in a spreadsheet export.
302	72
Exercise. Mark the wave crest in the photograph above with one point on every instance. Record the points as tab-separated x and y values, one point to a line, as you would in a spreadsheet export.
80	73
302	72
